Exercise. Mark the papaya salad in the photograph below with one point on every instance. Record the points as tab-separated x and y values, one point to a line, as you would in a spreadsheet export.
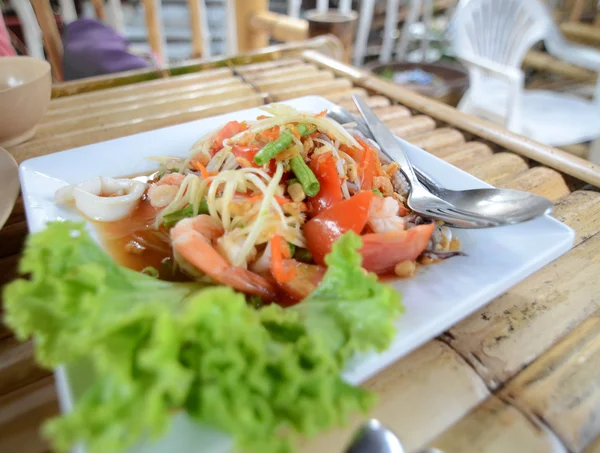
257	205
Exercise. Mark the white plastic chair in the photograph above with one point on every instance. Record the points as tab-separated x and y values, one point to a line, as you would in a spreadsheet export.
491	38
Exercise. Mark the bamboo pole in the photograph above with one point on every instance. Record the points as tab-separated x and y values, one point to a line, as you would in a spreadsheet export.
546	62
247	37
551	157
99	9
582	33
52	41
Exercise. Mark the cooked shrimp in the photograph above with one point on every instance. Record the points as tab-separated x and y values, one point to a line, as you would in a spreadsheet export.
164	190
383	215
193	240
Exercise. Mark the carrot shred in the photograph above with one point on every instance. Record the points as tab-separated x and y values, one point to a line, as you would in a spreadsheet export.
330	135
296	133
262	117
323	113
202	169
278	252
271	134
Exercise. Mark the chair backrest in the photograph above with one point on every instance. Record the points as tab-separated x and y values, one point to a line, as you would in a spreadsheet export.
499	30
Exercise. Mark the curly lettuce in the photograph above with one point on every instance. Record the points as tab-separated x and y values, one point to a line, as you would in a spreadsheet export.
157	347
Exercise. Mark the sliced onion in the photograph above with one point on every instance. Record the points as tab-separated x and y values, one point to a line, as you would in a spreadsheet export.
103	199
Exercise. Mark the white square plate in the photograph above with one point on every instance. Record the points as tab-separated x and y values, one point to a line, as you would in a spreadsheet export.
436	298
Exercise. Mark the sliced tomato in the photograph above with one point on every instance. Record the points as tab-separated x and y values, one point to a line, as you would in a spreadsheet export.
229	130
324	229
367	161
246	152
331	191
382	251
306	278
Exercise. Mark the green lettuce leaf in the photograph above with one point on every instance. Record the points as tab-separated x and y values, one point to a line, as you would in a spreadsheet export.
350	308
158	347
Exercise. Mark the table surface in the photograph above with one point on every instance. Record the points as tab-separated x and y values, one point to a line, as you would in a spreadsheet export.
520	375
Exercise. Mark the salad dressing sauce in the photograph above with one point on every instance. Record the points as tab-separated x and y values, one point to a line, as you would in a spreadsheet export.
134	243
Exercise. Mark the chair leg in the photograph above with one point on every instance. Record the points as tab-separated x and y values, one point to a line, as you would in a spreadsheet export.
594	155
427	15
413	14
389	30
362	34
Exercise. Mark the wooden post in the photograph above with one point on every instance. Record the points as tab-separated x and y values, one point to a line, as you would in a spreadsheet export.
196	15
154	27
247	37
50	35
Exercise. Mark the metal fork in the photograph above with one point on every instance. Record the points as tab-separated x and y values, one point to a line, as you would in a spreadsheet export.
420	199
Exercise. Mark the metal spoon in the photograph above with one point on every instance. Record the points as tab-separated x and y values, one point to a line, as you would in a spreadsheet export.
497	206
374	437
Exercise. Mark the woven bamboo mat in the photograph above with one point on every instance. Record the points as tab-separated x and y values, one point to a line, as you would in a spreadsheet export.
520	375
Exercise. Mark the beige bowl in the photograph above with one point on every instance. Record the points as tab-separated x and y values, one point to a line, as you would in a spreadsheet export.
25	90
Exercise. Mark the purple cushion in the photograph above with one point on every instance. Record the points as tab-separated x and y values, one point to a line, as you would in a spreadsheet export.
92	48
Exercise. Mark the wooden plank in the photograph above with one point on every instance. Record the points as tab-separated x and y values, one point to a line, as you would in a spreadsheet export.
123	102
12	237
497	427
501	338
562	386
140	111
439	138
469	156
433	369
137	89
497	167
442	153
101	133
392	112
328	86
411	126
21	415
540	180
294	80
17	366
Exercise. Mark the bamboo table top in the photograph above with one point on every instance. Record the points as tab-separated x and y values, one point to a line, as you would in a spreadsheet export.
520	375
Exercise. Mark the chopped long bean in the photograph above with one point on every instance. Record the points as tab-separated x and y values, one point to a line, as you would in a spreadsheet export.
305	176
270	150
171	219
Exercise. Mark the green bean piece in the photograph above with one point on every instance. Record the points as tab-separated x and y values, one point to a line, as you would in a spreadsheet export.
308	180
377	192
171	219
292	248
270	150
303	255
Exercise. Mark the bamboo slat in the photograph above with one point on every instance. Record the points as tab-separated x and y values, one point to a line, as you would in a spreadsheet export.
500	339
413	125
439	138
540	180
498	167
497	427
144	88
562	387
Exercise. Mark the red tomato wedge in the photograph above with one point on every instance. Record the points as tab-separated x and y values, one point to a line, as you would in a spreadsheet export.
324	229
382	251
246	152
229	130
331	190
306	278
